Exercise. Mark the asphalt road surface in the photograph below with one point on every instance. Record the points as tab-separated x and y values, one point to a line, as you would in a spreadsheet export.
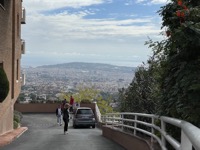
45	134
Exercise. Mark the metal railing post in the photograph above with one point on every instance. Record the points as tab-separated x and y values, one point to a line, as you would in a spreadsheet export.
152	131
105	120
163	128
185	142
122	117
113	119
135	125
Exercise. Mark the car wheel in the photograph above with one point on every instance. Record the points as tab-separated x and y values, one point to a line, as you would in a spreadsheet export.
93	126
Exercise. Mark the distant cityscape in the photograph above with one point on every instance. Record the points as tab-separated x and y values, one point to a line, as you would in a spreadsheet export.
48	82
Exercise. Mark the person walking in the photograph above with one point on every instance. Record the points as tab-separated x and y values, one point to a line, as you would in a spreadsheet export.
59	115
66	117
63	103
71	102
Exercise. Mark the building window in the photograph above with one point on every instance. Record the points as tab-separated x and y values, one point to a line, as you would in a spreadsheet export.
17	71
2	3
1	64
18	24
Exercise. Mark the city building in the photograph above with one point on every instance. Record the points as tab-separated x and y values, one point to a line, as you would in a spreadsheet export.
12	15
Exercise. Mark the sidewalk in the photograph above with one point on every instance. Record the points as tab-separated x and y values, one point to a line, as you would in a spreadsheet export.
12	135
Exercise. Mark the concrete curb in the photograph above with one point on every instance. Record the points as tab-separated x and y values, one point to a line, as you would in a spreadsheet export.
8	137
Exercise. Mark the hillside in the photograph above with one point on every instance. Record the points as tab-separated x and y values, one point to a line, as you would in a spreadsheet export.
90	67
50	80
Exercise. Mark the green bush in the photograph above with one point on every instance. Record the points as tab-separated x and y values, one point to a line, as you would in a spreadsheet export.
85	101
4	88
15	125
19	114
17	119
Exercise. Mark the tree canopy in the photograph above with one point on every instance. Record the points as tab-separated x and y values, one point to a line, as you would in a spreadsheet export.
169	83
89	95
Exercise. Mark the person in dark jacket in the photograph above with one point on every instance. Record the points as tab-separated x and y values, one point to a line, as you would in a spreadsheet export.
66	117
63	103
59	115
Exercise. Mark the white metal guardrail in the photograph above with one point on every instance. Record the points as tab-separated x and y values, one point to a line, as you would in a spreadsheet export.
190	135
98	113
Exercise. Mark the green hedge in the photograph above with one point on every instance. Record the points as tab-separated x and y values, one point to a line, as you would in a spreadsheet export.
86	101
4	85
17	119
15	125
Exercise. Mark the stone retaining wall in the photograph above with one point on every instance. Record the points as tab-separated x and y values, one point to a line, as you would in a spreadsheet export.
126	140
42	107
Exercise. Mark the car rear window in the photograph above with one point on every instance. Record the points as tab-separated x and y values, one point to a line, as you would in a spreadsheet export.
84	111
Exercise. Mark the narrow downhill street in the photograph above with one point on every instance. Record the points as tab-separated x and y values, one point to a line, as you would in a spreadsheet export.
44	133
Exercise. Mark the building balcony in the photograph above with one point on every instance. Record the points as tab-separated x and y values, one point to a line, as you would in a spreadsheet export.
23	48
23	19
23	79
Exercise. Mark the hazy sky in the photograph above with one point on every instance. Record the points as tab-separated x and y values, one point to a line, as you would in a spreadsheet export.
102	31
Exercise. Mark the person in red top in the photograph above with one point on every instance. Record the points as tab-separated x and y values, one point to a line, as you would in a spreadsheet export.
71	102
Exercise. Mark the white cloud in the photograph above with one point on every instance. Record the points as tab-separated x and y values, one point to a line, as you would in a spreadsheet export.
74	26
73	36
38	5
140	1
148	2
70	26
159	1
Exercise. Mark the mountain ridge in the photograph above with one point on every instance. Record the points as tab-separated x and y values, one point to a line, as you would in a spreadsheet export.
90	66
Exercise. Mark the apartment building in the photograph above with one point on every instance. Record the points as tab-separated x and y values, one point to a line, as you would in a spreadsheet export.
12	15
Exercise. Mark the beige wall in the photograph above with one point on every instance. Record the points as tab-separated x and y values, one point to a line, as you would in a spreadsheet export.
36	108
10	52
42	108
